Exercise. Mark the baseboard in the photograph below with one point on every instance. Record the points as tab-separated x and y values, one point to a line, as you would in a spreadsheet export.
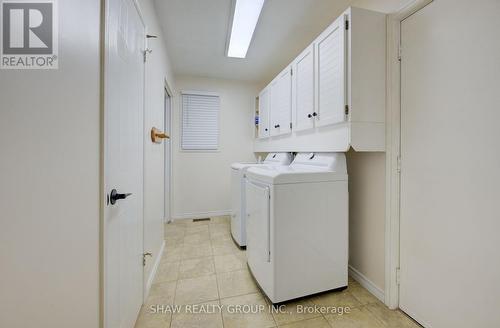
367	283
154	271
199	215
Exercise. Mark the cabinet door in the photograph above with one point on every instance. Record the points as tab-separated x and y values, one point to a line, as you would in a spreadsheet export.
303	90
281	103
264	113
330	53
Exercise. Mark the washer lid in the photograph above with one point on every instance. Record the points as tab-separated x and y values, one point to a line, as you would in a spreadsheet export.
271	159
307	167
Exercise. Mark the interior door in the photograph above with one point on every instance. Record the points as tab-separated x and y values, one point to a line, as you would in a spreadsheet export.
123	225
264	113
281	103
450	178
330	53
303	90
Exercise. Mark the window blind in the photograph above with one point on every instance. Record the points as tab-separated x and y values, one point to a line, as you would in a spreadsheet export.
200	121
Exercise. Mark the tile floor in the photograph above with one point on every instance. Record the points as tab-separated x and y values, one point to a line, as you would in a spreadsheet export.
202	266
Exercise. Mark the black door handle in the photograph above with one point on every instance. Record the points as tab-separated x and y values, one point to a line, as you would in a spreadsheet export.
114	196
265	129
309	115
315	114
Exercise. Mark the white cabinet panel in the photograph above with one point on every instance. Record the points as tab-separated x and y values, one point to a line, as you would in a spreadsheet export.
330	73
264	113
303	90
281	103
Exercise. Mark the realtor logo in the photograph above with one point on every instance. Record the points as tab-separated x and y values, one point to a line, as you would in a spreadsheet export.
29	34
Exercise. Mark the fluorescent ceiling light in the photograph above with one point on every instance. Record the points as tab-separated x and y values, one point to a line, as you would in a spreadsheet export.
246	15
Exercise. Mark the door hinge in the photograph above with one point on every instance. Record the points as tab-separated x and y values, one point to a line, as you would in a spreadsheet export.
290	125
398	276
400	52
144	258
145	53
346	24
346	110
291	71
398	164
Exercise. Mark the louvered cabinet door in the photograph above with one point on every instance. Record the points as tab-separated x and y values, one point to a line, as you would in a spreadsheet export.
303	108
281	103
330	62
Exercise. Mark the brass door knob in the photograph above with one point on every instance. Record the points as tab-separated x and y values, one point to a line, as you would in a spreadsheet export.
157	136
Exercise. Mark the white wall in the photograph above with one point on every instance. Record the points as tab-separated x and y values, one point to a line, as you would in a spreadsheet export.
367	214
158	69
49	182
201	182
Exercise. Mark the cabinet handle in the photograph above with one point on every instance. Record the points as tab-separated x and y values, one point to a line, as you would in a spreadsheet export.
315	114
265	129
276	126
309	115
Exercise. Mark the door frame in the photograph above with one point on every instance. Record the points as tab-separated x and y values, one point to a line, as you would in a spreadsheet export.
104	165
168	216
393	150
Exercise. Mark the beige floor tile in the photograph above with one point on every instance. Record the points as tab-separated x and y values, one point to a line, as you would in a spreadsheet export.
192	229
391	318
356	318
224	248
188	318
172	253
220	219
174	240
148	319
229	262
221	239
196	290
336	298
194	251
318	322
362	295
235	283
197	238
203	266
162	293
167	271
250	311
291	312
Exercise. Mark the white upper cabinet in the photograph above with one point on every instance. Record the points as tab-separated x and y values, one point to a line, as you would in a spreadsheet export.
330	71
281	103
336	92
303	108
264	113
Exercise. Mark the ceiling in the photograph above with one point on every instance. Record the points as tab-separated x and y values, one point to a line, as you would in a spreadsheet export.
196	31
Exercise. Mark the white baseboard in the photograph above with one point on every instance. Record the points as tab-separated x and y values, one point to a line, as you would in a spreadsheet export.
367	283
199	215
154	271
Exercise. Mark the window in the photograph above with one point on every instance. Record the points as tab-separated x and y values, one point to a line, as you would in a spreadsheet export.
200	121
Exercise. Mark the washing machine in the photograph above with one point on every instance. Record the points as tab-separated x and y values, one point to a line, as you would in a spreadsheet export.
297	226
238	210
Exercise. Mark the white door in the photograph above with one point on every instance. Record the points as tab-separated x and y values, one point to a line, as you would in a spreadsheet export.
330	53
123	149
450	171
168	154
281	103
303	90
264	113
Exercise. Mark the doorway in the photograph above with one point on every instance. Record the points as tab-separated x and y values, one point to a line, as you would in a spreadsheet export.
168	154
450	155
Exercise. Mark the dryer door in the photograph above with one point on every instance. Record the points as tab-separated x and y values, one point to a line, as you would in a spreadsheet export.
259	234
